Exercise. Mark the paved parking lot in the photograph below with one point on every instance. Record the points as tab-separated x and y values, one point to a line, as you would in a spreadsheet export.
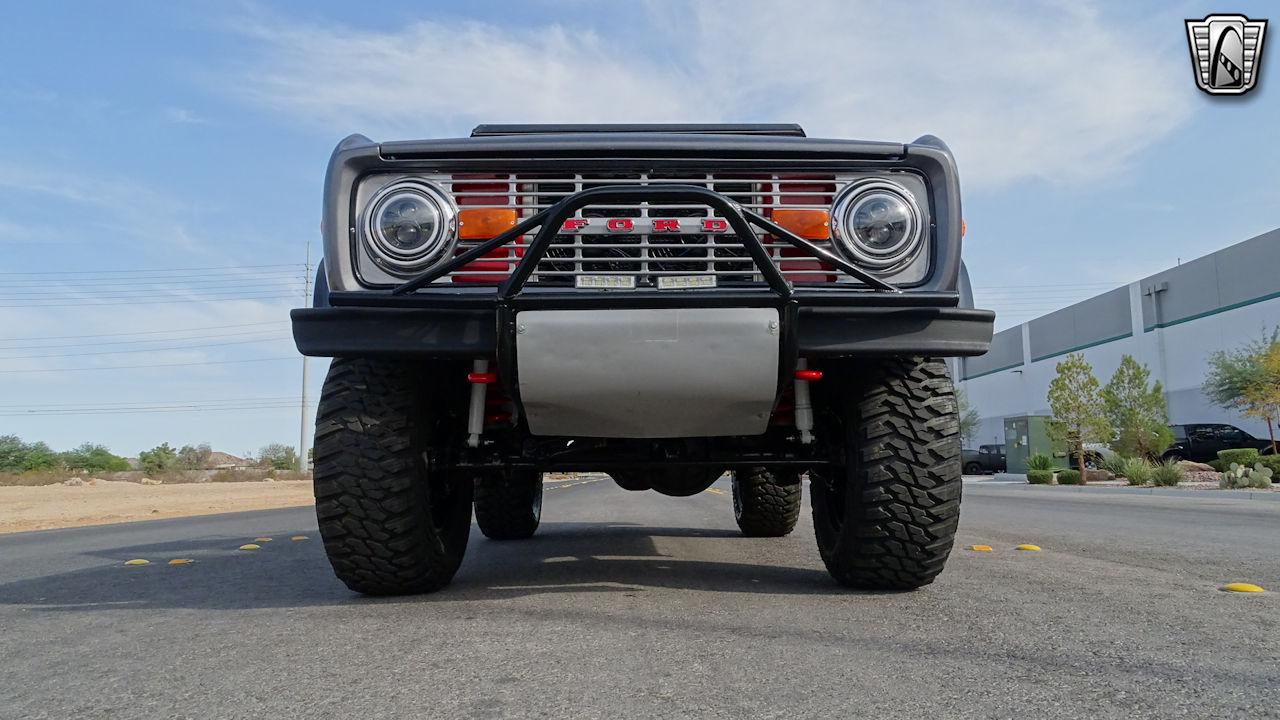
638	605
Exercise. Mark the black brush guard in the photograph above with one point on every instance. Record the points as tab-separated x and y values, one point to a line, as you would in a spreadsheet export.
420	320
550	220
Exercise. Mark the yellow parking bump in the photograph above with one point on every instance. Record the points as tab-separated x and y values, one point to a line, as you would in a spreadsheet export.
980	548
250	546
299	537
181	561
137	561
1240	587
1032	548
262	539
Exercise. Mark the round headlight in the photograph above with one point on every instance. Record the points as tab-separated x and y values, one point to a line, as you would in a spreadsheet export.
409	226
878	225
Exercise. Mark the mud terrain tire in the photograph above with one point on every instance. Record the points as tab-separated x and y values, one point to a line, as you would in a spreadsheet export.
388	528
509	506
888	518
765	503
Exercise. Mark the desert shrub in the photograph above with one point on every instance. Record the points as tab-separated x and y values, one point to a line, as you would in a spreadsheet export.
1239	456
1069	477
1239	477
158	459
1136	470
278	456
1218	465
1040	461
92	457
1167	474
1113	464
1039	477
1271	462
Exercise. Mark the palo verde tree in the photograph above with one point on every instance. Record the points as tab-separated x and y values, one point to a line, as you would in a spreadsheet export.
1247	380
1137	411
1075	400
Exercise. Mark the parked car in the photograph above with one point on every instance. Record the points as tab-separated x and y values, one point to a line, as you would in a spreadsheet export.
1201	442
985	460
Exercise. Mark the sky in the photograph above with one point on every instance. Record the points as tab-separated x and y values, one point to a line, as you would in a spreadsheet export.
161	163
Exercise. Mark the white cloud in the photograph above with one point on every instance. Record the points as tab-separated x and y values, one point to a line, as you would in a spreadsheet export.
125	208
183	116
1051	91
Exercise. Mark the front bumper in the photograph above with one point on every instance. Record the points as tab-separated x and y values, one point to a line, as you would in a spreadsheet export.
826	324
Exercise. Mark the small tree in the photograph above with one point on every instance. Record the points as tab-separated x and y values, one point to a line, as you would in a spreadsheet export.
160	458
194	457
969	419
1078	412
12	453
1137	412
1262	397
278	456
1240	380
39	456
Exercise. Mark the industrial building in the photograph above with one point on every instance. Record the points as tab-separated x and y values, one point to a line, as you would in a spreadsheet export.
1171	321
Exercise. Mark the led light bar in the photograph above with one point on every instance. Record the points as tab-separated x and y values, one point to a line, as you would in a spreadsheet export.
605	282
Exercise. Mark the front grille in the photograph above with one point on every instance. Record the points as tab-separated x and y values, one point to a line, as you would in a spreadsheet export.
642	253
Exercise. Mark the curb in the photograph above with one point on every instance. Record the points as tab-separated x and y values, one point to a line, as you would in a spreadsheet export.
1165	492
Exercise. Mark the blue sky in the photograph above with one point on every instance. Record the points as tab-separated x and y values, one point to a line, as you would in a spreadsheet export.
160	163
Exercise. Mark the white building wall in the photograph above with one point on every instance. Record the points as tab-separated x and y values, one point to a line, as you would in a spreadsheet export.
1212	312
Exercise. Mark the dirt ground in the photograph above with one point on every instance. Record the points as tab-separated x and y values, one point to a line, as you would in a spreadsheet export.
107	501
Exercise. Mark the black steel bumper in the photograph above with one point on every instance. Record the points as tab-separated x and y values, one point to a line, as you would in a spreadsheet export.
821	330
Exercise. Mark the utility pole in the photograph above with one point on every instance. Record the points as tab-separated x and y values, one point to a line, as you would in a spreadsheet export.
302	415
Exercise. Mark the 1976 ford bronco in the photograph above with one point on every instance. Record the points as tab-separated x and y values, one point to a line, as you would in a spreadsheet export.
662	303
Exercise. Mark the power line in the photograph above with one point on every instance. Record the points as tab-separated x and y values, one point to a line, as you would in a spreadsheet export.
105	286
151	270
290	406
136	342
158	365
34	304
81	404
144	332
275	338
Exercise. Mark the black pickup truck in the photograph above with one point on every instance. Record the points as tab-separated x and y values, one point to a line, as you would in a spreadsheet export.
986	459
1201	442
664	304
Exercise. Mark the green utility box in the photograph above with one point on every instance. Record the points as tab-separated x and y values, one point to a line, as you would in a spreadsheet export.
1025	435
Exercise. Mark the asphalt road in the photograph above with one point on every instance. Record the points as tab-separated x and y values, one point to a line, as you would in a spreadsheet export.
637	605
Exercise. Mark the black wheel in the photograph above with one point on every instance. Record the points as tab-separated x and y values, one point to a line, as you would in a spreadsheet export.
973	469
389	527
886	520
509	505
765	503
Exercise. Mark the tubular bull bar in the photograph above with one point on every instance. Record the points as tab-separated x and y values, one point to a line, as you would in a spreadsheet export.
418	319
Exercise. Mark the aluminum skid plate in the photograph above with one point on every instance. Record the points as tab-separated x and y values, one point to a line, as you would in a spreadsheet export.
648	373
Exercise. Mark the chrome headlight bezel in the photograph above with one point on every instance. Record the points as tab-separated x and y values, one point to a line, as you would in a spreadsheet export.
879	261
438	246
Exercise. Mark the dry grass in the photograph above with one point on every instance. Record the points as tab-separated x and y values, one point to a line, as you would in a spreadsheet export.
31	479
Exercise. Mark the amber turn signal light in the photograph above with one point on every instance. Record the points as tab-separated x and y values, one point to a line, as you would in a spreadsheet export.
482	224
808	224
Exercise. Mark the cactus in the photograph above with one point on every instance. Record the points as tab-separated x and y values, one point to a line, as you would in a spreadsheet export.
1239	477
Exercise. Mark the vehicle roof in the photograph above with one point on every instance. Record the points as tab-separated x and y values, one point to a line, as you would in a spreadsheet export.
776	129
